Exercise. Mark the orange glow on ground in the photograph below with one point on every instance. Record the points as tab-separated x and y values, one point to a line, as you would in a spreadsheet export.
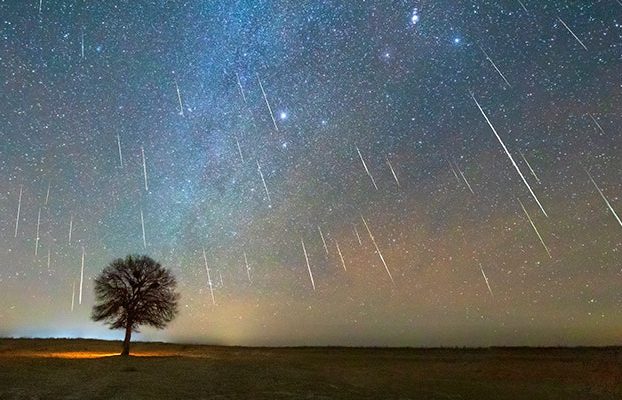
90	354
63	354
100	354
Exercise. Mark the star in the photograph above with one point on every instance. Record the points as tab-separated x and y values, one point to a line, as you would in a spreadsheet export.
414	17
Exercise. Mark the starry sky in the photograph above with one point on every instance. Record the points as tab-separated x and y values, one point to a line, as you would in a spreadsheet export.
392	173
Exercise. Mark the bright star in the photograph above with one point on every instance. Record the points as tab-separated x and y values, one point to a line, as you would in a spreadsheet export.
283	115
414	18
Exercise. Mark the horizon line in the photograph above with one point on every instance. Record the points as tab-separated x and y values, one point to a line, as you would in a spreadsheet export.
380	347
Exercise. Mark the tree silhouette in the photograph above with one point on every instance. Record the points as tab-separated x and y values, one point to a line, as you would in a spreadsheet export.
135	291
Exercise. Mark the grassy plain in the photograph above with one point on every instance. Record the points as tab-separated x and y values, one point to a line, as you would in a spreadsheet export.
90	369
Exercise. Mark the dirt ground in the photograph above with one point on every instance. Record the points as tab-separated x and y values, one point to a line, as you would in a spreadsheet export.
90	369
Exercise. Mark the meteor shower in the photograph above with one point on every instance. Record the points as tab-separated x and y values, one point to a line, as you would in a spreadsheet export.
310	199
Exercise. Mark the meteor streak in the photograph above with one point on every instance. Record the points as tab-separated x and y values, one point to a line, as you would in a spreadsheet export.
572	33
81	277
209	279
341	256
464	178
378	250
47	194
600	128
534	228
240	86
267	103
356	231
19	208
529	166
73	294
248	268
366	169
304	249
37	235
70	227
142	152
495	66
393	172
142	223
486	279
239	149
509	155
604	198
323	240
120	154
264	182
181	106
453	170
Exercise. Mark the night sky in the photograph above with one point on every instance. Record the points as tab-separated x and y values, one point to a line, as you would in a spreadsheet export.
218	97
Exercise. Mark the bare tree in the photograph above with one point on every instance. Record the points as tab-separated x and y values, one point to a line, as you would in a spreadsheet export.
135	291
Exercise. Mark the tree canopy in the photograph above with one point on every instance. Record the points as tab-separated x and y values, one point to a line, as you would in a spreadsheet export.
135	291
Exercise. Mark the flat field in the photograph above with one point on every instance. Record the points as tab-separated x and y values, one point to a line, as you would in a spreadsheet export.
90	369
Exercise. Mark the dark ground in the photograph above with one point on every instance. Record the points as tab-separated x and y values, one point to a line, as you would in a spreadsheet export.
83	369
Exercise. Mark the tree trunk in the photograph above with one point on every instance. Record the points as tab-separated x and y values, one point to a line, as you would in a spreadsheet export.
126	341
